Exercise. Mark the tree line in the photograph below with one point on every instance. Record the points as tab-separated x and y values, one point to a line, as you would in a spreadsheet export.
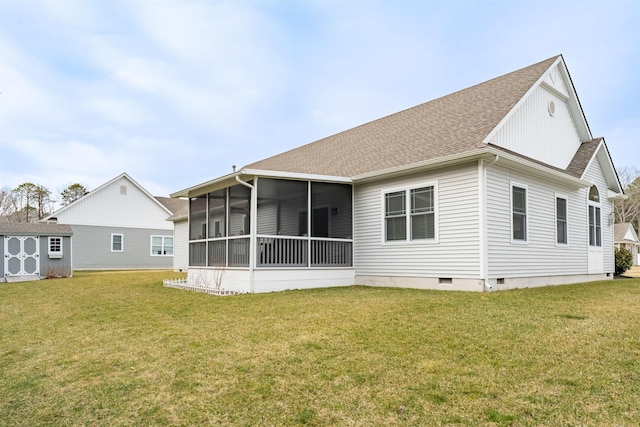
629	210
30	202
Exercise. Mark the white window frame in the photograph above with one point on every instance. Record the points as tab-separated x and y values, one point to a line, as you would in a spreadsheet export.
407	213
555	207
524	187
121	242
597	208
163	245
55	253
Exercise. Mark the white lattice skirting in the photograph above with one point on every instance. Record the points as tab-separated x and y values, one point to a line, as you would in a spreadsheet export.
184	284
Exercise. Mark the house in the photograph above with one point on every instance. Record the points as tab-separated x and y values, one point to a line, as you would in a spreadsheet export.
32	251
497	186
626	237
119	225
180	219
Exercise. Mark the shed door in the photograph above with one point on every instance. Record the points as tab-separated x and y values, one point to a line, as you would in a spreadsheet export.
21	255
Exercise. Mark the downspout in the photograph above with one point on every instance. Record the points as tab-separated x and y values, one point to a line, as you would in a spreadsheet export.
483	226
253	209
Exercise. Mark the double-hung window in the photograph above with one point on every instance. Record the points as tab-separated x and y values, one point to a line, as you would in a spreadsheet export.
117	243
410	214
519	213
595	220
562	230
161	245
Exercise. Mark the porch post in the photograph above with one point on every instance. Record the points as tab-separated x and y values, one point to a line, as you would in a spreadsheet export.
309	213
253	228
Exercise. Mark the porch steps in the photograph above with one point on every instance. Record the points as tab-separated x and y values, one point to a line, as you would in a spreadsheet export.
23	278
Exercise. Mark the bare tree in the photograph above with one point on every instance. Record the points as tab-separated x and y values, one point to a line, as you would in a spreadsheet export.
629	210
7	204
33	202
73	193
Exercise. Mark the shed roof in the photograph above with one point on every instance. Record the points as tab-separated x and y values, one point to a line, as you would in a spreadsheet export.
34	229
450	125
623	230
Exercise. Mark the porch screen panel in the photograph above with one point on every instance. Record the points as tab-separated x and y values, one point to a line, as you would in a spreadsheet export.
282	207
331	206
197	254
239	210
218	213
198	218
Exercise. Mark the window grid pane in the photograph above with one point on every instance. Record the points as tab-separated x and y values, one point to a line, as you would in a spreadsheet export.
395	204
422	200
519	214
561	218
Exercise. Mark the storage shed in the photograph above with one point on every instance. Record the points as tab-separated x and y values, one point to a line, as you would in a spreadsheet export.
32	251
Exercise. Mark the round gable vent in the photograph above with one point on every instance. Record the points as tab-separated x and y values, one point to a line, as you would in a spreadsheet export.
552	108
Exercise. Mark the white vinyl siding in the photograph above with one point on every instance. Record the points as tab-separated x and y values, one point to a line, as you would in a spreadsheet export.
180	245
541	256
108	207
457	253
533	132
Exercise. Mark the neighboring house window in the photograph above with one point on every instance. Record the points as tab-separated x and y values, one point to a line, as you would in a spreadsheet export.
55	247
519	213
117	243
561	220
410	213
595	220
161	245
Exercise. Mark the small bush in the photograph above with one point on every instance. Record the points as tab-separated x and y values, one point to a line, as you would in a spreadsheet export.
56	272
624	260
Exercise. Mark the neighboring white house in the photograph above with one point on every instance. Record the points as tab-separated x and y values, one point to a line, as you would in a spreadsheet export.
625	236
119	225
497	186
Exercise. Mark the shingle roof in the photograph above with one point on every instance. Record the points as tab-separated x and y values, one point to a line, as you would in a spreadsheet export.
176	206
582	157
35	229
446	126
620	231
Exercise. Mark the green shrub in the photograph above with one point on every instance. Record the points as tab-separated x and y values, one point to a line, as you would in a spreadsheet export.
624	260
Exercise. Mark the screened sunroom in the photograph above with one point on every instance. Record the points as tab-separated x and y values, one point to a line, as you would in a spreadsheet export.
267	227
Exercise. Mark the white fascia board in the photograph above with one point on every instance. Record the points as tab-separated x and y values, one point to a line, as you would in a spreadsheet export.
295	175
491	154
602	154
187	192
612	195
427	164
198	189
524	165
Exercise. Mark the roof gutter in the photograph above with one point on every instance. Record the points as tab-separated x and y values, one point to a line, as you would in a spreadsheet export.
492	154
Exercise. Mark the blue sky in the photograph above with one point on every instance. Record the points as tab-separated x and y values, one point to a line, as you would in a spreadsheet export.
176	92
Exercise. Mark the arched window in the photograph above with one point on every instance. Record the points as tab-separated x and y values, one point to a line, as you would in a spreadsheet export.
595	219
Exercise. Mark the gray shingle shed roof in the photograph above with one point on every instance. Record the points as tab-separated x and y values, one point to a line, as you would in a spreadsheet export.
446	126
34	229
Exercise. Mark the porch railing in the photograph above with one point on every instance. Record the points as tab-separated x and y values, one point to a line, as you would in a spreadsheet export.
294	252
273	251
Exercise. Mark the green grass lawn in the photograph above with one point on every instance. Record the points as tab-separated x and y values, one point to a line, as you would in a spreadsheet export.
112	349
